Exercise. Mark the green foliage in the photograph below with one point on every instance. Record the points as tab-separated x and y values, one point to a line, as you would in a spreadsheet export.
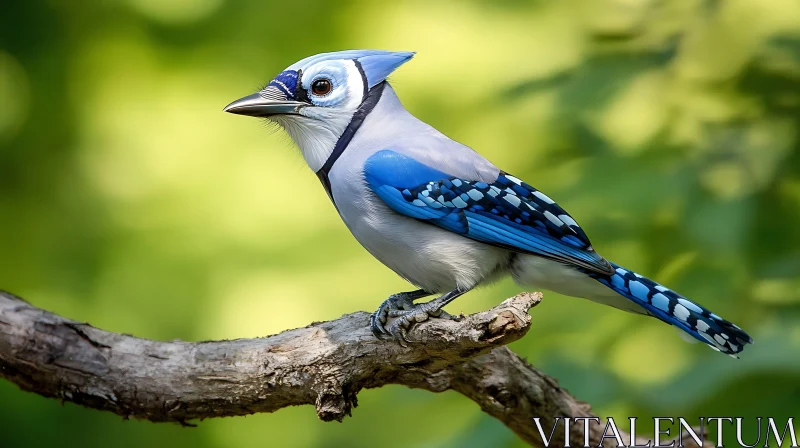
669	129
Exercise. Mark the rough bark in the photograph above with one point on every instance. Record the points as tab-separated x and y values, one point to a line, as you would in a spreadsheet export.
324	364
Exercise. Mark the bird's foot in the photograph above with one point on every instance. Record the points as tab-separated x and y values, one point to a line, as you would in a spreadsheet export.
403	301
404	319
401	307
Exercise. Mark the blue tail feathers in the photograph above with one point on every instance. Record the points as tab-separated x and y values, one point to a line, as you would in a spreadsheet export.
674	309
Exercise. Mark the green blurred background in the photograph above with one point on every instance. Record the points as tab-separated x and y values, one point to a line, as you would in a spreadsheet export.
668	128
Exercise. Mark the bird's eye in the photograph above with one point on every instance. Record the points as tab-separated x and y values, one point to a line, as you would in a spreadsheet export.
321	87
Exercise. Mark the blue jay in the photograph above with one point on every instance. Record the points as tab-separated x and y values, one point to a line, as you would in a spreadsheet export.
438	213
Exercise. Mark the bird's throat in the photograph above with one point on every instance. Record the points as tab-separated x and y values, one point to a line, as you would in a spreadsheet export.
369	103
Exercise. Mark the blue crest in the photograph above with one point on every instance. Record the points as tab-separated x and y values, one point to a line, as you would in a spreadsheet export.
376	64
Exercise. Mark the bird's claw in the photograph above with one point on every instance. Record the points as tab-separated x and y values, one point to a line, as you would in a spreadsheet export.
405	318
395	303
403	321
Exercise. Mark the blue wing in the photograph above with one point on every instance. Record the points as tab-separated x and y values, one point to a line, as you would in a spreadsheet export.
506	213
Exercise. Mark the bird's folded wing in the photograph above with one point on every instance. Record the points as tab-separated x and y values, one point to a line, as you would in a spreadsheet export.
506	213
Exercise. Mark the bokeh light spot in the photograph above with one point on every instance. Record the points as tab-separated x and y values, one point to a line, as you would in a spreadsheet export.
14	92
635	360
175	11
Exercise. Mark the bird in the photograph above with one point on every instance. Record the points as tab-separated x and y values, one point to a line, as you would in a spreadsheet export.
436	212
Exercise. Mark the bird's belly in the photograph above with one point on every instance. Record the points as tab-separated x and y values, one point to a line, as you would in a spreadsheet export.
431	258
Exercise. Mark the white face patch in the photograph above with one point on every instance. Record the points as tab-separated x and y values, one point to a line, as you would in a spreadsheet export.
319	127
348	86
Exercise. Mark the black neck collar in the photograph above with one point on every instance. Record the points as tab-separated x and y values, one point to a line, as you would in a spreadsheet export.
369	103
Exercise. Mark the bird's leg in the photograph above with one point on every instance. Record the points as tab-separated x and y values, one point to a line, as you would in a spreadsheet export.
395	302
420	313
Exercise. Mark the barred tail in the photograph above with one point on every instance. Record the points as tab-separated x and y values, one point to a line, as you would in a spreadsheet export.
677	310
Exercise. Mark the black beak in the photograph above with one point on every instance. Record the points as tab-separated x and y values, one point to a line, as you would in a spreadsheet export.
270	101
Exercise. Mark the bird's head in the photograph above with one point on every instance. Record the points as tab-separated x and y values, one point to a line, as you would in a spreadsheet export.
315	99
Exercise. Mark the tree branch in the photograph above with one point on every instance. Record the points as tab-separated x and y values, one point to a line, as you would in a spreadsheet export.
325	364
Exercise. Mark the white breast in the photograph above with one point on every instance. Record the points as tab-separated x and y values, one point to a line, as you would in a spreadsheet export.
431	258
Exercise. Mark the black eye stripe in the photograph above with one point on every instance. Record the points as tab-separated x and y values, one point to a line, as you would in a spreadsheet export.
300	93
363	78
